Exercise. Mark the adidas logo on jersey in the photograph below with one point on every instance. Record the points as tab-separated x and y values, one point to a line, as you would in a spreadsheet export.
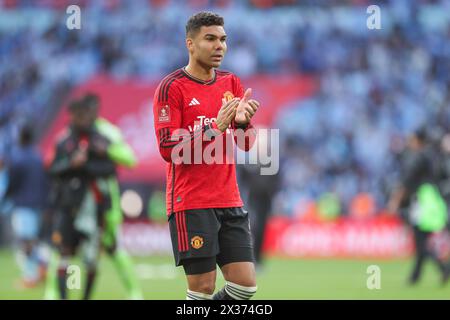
194	102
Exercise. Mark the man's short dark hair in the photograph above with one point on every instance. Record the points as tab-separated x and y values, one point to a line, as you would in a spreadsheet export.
421	135
92	100
201	19
78	104
89	101
26	135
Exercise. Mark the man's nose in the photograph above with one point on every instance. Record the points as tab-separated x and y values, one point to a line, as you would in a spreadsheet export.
219	45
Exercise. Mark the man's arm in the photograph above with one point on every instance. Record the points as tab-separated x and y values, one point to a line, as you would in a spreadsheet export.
61	162
167	118
404	189
118	150
122	154
100	167
14	174
245	133
396	199
65	162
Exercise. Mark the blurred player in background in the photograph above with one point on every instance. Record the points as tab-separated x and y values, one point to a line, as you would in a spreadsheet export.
121	154
27	190
79	168
208	224
3	179
419	192
445	168
5	204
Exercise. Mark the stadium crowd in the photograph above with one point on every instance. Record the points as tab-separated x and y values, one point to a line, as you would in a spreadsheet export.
375	86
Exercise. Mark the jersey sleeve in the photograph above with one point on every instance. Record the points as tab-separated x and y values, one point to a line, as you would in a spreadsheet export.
247	131
118	150
167	115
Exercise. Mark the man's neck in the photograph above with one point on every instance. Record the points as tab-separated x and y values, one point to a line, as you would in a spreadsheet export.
199	72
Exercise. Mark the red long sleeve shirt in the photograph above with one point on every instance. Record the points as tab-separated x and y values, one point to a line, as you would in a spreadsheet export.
184	102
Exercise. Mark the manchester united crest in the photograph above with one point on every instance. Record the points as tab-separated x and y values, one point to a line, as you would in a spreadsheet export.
197	242
228	96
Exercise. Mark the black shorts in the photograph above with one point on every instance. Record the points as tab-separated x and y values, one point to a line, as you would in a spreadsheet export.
64	232
202	238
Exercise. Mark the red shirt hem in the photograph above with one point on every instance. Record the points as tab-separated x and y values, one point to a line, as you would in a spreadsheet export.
207	206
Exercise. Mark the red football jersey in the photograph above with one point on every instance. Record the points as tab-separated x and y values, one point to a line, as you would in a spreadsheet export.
184	102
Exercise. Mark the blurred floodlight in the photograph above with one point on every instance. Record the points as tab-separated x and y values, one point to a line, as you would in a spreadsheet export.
131	203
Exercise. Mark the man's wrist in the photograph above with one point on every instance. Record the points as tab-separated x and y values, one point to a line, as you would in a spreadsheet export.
212	130
243	126
217	126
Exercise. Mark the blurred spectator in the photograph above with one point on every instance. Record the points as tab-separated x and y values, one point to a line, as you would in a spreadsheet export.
27	190
258	191
427	210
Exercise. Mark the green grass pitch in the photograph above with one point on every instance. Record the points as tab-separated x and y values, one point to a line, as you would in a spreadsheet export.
280	279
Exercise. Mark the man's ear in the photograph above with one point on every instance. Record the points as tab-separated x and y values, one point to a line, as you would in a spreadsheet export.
189	44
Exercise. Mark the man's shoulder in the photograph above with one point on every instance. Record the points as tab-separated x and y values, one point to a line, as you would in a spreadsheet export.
168	82
225	73
107	128
171	77
176	77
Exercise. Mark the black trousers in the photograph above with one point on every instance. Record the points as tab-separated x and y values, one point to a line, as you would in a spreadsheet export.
422	252
259	207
